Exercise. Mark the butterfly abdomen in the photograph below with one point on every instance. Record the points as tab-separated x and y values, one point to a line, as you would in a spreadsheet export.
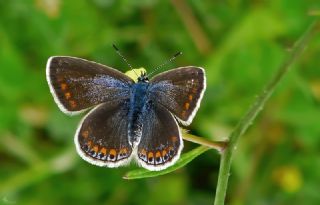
138	100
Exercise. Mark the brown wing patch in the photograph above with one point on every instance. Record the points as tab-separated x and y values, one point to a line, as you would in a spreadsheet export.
101	138
180	91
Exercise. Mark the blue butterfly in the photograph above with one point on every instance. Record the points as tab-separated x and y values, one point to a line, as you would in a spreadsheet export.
127	119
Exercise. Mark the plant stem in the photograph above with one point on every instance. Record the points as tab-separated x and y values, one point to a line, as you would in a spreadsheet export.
219	146
254	110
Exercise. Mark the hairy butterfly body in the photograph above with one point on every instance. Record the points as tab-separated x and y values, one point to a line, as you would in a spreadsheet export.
128	120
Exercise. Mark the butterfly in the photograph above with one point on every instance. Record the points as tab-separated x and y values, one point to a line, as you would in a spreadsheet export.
128	120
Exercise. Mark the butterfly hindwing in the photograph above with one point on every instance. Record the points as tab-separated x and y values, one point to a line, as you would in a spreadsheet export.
161	143
78	84
102	137
180	91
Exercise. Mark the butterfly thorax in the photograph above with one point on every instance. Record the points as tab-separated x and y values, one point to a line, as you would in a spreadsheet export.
138	106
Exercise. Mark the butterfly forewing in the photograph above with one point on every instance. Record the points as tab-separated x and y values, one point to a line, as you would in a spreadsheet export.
78	84
102	136
180	91
161	143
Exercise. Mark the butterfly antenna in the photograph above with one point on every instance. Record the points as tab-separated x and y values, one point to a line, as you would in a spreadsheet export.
165	63
123	58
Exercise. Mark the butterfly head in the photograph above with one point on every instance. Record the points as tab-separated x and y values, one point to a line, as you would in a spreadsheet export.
143	77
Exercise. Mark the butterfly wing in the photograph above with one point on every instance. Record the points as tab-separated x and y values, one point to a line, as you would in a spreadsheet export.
180	91
102	136
161	142
78	84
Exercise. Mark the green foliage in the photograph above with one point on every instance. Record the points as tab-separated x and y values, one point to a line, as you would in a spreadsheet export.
239	43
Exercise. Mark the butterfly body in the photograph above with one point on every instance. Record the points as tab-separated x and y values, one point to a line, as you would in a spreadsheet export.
139	106
128	120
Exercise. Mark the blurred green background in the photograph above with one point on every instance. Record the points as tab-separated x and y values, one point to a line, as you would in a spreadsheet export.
240	43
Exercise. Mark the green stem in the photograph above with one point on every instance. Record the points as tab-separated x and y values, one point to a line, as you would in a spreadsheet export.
257	106
219	146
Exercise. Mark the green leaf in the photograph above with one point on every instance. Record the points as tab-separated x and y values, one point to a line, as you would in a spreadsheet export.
184	159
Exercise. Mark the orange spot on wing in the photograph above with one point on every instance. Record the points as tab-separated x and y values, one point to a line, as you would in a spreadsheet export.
113	152
63	86
190	97
194	90
123	151
67	95
89	143
103	151
85	134
150	155
174	139
72	103
164	152
158	154
186	106
171	150
143	151
96	148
